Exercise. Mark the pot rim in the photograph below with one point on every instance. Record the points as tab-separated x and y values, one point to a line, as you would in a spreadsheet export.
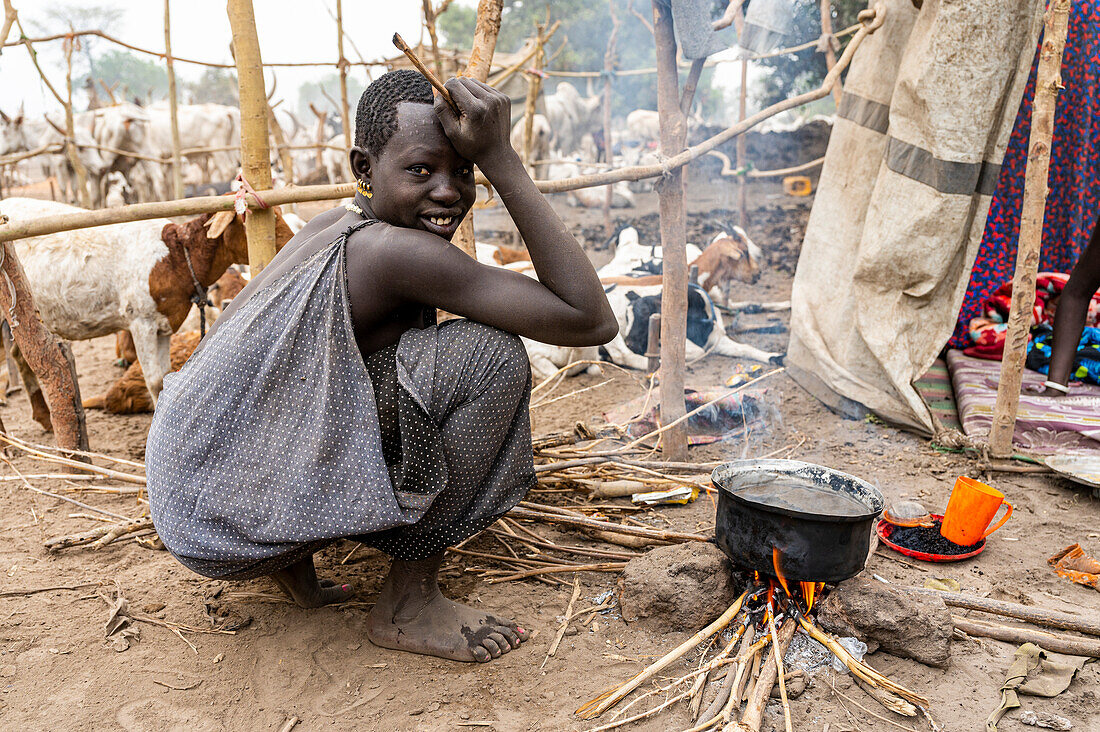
724	473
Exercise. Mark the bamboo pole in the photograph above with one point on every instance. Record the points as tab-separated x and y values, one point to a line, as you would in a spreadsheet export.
48	356
173	106
210	204
255	153
827	38
342	64
670	190
609	69
1032	211
481	59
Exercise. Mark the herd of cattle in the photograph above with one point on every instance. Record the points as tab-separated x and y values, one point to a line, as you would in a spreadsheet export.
124	147
137	279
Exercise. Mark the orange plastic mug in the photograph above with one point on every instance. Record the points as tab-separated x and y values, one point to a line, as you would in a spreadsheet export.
972	506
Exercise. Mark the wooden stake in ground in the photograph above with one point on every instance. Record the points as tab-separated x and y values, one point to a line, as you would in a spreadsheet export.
609	74
670	190
47	355
1032	212
255	153
481	59
827	38
173	106
342	64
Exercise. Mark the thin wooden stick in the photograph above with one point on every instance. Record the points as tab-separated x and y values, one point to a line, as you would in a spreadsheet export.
1032	210
73	501
403	47
859	668
868	711
1033	615
587	523
37	590
565	621
596	707
118	475
754	711
559	569
1055	642
779	671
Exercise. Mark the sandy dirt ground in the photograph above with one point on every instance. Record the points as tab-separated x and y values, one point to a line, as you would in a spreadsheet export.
57	671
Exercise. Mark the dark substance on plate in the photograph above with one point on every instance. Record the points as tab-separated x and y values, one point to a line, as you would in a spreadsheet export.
927	539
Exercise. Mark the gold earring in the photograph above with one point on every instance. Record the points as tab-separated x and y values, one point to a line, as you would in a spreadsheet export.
364	188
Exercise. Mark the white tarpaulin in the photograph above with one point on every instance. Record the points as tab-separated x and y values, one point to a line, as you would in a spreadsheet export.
927	110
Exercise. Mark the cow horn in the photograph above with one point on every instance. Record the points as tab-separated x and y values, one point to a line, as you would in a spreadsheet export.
218	223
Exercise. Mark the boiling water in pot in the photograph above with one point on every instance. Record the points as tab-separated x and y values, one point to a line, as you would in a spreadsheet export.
797	493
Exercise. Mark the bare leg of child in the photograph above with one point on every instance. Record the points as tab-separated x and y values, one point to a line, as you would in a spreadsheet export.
411	614
299	581
1073	307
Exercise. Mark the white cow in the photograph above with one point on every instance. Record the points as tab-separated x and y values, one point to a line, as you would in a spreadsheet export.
541	133
571	117
200	125
643	125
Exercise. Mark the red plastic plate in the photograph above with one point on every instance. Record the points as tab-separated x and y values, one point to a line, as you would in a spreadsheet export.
885	529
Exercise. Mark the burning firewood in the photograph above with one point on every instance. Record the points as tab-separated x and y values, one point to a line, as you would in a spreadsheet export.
766	618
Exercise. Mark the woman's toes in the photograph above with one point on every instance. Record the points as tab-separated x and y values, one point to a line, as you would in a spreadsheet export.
335	593
492	646
502	642
509	635
481	655
522	634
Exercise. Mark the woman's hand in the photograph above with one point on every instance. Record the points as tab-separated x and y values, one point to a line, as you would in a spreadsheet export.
481	132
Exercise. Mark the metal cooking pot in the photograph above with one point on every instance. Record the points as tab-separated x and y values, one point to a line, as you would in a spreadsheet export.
814	547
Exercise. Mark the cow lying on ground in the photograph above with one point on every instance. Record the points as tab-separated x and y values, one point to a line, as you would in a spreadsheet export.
132	276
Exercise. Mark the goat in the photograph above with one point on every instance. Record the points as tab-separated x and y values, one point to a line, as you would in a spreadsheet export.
134	276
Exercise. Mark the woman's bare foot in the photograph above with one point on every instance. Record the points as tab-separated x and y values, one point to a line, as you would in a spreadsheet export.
299	582
411	614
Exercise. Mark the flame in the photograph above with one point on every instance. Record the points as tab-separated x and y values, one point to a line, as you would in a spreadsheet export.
808	590
776	555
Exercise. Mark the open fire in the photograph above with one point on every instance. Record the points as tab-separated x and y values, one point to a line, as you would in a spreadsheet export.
764	619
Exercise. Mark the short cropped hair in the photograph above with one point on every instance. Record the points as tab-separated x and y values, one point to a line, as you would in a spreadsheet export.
376	116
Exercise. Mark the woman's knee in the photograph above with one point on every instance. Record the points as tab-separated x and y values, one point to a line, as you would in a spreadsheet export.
503	349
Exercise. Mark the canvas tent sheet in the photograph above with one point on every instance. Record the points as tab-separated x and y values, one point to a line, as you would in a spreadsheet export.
926	114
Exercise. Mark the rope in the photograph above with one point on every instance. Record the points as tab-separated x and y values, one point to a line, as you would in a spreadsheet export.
240	201
200	298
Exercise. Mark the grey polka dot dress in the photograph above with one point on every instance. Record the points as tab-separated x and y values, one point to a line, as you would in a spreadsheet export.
277	437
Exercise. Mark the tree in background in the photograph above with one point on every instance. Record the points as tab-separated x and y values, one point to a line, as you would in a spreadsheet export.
217	86
325	94
61	17
587	25
796	73
131	76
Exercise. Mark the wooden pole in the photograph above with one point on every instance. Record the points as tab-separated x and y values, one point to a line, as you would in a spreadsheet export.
742	110
481	58
47	355
83	195
1032	211
830	54
342	63
255	153
670	189
534	88
431	16
173	106
609	70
